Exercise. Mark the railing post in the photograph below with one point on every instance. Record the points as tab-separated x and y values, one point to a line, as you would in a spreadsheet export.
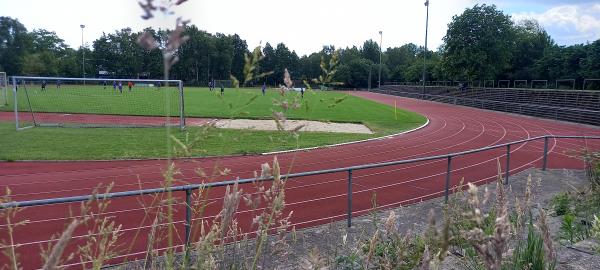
545	159
448	170
188	217
349	198
507	164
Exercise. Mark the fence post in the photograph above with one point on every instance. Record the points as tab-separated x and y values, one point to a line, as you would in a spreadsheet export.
448	170
507	164
349	198
545	160
188	217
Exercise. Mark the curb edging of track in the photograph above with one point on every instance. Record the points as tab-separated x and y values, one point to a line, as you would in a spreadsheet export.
347	143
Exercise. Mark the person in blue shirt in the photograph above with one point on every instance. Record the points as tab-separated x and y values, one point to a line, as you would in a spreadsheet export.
121	87
115	86
264	88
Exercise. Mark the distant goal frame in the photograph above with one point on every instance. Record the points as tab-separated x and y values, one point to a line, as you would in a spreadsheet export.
4	88
14	81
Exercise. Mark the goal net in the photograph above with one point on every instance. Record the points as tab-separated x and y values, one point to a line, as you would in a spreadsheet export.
3	90
76	102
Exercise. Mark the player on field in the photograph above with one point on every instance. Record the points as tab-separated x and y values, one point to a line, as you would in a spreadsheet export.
104	84
130	84
44	85
302	91
264	88
121	87
115	86
222	90
210	85
58	83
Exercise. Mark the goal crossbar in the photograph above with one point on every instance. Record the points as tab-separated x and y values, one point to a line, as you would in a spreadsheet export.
92	102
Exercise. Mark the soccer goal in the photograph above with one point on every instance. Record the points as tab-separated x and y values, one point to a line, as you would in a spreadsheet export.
77	102
3	90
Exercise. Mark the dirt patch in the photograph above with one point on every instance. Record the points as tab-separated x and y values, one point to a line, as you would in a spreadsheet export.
304	125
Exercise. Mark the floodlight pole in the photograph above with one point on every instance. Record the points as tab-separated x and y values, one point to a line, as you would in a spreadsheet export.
425	52
380	54
83	52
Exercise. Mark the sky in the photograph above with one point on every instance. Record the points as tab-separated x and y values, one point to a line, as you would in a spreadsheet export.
303	25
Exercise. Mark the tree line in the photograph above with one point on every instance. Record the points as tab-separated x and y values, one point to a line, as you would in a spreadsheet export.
482	43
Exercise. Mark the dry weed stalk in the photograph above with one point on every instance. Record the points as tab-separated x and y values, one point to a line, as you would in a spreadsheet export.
9	215
274	200
313	261
545	230
490	248
53	259
175	39
100	239
329	69
251	66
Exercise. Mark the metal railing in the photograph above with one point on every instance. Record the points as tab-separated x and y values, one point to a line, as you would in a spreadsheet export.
188	189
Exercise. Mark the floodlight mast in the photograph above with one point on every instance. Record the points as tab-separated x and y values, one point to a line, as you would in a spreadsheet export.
82	52
425	52
380	54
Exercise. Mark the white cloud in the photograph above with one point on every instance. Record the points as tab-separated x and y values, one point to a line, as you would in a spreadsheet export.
568	24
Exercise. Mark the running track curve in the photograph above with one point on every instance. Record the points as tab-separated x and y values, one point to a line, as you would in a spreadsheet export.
314	200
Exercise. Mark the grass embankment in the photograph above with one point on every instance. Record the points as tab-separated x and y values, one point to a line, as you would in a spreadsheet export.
116	143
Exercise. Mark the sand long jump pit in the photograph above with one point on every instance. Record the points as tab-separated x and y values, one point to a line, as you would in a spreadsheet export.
304	125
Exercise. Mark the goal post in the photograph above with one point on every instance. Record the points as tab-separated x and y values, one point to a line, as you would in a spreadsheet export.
79	102
3	89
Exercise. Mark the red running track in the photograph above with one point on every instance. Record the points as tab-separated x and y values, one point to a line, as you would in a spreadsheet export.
314	200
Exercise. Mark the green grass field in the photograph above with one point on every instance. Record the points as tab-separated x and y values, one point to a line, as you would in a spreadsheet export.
114	143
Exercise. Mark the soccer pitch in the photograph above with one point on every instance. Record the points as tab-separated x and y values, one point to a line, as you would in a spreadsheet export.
115	143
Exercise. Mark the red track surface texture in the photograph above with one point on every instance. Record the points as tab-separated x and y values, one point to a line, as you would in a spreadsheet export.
314	200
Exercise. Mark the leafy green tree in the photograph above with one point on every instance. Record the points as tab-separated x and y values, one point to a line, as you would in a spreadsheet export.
531	43
399	59
15	43
284	59
240	49
349	54
370	51
44	40
561	63
355	73
118	53
268	62
309	66
478	43
197	56
224	57
69	64
40	64
591	64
